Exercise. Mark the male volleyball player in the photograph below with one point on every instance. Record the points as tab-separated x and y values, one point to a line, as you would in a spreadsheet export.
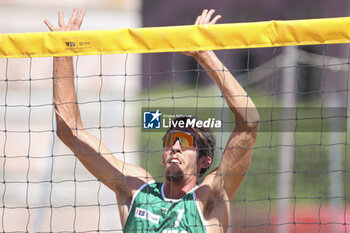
178	205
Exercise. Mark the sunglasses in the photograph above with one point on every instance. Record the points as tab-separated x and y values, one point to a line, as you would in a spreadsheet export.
186	140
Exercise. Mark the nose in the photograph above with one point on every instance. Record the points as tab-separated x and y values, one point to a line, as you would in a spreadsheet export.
176	147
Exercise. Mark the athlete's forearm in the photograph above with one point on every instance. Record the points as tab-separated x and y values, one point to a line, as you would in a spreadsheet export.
236	97
65	100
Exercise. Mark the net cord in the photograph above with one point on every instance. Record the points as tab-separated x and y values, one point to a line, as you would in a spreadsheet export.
177	38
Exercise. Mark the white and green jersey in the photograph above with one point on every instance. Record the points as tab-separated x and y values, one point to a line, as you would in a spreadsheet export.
151	211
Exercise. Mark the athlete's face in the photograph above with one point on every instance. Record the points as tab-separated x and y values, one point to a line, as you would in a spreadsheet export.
180	155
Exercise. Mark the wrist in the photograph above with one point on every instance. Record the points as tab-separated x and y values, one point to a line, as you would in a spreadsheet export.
202	55
63	58
206	59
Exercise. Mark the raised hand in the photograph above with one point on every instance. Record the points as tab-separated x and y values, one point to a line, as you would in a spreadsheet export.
203	19
73	24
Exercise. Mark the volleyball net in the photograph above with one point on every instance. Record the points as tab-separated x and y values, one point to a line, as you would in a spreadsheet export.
296	72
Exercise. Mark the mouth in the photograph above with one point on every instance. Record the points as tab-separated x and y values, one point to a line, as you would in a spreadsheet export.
174	161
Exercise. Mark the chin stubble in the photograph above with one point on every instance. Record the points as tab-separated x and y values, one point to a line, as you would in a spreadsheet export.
174	175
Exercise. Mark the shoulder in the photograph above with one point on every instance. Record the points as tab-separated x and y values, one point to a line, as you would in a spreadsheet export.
151	188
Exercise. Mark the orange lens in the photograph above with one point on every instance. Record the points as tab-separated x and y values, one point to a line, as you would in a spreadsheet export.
186	140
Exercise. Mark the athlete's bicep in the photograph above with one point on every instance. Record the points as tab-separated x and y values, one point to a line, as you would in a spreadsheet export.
224	181
235	160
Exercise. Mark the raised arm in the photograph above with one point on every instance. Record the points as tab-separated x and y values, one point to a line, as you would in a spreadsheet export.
236	158
119	176
226	179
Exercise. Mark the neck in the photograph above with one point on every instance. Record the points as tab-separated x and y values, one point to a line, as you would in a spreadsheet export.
174	190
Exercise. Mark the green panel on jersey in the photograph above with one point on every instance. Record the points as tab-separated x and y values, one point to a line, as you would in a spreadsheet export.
151	211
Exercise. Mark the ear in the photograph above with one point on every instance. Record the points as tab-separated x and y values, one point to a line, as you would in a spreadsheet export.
205	162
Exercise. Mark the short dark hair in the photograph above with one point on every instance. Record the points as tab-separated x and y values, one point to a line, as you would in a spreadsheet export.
205	140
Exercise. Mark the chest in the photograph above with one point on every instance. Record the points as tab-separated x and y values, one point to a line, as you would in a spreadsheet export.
153	214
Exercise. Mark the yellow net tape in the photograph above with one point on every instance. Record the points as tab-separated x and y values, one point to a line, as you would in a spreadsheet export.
178	38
